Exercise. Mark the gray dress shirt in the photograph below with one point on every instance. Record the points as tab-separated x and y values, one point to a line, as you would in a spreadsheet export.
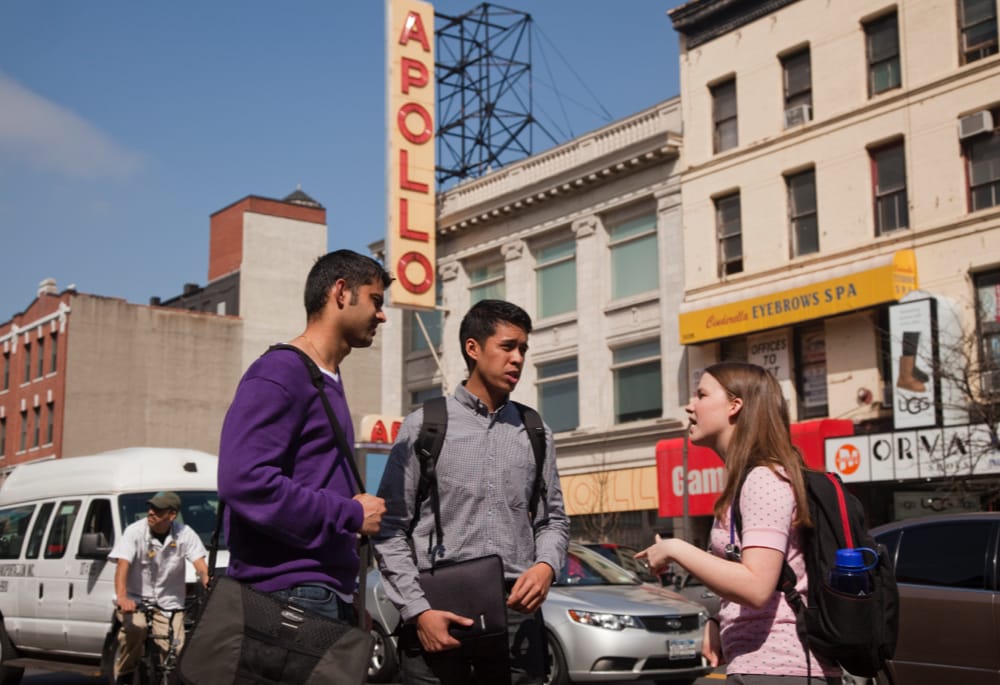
485	474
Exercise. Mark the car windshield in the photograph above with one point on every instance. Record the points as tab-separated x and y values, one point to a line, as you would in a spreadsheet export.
197	510
586	567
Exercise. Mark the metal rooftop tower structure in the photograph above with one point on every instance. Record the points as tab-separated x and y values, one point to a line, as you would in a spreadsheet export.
484	91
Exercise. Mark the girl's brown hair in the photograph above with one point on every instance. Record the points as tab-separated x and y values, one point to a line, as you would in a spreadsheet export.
761	435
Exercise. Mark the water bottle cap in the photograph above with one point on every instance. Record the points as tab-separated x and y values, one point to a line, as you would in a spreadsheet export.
850	558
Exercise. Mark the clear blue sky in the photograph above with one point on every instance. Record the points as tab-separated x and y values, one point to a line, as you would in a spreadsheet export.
124	125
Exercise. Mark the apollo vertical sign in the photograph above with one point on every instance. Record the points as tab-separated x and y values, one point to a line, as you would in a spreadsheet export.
410	100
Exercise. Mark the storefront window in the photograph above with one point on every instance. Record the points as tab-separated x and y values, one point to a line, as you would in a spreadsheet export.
988	307
811	377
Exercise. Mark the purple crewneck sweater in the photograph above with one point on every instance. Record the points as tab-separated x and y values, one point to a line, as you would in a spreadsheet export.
288	491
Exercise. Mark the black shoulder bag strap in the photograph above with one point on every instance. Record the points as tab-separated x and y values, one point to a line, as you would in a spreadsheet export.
428	448
536	435
344	449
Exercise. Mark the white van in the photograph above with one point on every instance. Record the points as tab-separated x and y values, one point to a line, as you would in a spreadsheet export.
58	521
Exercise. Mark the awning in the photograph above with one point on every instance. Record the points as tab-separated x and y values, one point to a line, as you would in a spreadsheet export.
861	284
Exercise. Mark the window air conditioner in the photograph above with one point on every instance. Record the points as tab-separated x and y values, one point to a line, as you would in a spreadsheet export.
799	114
990	382
974	124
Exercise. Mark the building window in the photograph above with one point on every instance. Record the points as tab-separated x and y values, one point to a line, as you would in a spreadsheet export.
6	371
432	324
797	75
729	234
486	283
3	436
27	363
37	435
802	212
54	353
633	257
724	116
982	154
889	181
882	47
555	277
988	308
810	349
638	389
977	24
24	431
418	397
733	349
50	426
559	394
40	354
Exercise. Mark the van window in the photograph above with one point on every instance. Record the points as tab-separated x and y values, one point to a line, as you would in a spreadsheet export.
99	521
198	509
38	530
62	526
945	554
13	529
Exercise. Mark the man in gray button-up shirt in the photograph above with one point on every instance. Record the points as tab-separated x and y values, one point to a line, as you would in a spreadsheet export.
485	476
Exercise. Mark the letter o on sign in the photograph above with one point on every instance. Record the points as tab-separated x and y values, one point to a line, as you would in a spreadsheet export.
402	117
414	258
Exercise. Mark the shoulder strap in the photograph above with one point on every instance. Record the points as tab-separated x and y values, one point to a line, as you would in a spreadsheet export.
428	448
317	380
536	435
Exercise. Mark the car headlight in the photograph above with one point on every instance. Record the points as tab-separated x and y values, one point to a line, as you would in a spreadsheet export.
601	620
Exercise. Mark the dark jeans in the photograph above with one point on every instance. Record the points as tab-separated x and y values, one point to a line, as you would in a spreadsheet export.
517	659
319	599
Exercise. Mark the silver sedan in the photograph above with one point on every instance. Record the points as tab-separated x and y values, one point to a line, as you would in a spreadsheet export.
603	623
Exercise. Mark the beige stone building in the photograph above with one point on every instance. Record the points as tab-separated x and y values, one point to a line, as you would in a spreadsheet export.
586	238
82	373
836	157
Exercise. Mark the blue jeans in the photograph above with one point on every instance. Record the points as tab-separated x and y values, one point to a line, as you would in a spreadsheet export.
318	598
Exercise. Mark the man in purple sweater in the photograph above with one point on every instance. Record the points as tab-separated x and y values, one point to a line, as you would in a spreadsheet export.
293	517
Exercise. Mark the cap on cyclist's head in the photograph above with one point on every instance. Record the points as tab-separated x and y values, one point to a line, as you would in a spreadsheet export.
165	500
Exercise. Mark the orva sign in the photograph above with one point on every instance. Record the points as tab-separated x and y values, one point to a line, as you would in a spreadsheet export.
923	453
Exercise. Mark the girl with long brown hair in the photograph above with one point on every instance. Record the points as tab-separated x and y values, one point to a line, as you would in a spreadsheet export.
739	412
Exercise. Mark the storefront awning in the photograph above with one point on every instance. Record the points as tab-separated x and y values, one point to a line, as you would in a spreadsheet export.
817	295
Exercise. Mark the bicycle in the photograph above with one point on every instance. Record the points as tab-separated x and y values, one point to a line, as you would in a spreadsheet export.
155	668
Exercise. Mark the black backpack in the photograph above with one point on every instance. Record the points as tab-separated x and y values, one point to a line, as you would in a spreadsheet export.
431	439
858	633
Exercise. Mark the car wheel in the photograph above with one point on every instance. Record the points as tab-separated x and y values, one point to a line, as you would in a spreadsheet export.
558	673
9	675
383	664
848	679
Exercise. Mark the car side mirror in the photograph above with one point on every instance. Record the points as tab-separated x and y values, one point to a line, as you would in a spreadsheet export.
94	546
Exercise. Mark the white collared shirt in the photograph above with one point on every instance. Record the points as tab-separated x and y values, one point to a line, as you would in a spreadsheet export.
156	569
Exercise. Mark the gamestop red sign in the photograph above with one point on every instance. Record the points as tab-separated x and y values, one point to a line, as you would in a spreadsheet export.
705	478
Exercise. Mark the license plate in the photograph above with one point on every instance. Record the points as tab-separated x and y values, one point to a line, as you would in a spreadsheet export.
682	649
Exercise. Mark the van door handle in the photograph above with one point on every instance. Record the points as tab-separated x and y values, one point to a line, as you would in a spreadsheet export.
41	590
71	590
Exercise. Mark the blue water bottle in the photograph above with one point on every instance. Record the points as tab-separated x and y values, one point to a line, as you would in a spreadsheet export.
851	574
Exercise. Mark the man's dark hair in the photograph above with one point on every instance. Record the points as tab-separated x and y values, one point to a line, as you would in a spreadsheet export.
356	270
480	322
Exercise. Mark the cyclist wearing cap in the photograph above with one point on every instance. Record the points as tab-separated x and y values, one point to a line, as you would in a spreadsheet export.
150	555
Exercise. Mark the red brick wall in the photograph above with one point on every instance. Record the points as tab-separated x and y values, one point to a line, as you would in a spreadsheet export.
225	250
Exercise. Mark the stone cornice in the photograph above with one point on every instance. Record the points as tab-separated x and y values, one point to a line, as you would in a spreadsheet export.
703	20
624	147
